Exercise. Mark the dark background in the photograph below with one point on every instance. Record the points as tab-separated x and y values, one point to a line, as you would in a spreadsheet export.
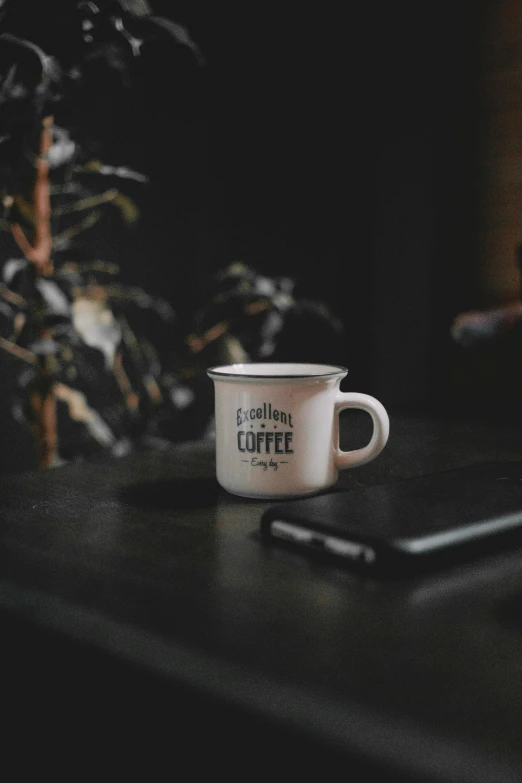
333	144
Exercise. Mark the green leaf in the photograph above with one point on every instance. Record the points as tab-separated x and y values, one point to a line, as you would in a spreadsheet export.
16	55
136	7
179	34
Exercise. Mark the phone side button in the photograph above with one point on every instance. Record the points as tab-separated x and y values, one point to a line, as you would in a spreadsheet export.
289	532
350	549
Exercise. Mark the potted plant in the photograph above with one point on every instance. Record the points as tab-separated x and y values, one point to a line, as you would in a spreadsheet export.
85	374
101	366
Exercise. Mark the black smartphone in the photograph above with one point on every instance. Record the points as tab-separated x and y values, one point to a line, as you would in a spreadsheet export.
409	524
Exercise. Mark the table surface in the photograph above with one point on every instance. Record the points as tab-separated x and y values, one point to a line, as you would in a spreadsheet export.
146	559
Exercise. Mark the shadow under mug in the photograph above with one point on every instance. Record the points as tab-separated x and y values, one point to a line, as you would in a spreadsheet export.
277	428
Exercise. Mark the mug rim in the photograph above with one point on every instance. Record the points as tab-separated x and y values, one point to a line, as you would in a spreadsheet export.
308	370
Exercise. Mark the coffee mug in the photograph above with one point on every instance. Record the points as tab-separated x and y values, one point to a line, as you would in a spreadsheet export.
277	428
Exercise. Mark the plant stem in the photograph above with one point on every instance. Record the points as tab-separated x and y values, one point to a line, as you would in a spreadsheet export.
43	406
40	251
42	399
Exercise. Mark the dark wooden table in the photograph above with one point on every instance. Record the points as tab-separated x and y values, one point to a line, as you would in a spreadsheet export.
144	621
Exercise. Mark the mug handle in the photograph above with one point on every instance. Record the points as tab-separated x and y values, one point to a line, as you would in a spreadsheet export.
381	429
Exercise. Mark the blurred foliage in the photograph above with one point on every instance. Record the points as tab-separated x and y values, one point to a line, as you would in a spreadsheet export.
103	367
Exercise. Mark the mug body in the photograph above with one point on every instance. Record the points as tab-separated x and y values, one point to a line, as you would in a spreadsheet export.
276	428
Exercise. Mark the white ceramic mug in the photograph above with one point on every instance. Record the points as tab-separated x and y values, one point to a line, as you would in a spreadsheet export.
277	428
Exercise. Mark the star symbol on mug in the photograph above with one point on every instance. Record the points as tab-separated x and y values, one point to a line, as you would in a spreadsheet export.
263	426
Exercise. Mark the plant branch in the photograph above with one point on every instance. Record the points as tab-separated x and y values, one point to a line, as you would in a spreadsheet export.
18	351
89	221
87	203
39	252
